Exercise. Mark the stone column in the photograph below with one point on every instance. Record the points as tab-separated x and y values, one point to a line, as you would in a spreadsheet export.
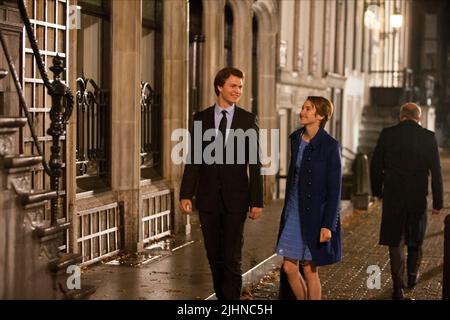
242	46
213	50
175	93
126	24
267	113
71	141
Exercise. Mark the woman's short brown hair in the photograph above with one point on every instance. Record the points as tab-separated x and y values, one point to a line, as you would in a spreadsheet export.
324	108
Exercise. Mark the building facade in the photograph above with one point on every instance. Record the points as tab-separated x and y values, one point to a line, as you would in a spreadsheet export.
140	69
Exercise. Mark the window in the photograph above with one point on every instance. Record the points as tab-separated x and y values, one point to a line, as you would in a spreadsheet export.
93	96
151	88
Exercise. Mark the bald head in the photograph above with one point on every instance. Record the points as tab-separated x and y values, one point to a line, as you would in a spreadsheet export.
410	111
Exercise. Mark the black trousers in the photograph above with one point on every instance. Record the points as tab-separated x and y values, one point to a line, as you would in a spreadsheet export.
397	258
223	237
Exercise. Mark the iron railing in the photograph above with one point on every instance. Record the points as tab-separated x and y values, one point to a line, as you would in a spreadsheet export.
150	117
62	105
418	87
392	78
92	113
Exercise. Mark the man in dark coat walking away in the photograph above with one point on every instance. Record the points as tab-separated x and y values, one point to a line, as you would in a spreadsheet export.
404	157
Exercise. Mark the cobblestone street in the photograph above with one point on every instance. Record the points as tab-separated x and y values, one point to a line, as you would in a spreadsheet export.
347	280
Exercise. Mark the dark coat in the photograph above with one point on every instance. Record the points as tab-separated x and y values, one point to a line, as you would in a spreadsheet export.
402	161
319	194
239	189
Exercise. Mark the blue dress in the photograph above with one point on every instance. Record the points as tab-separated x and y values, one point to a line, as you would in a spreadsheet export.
292	244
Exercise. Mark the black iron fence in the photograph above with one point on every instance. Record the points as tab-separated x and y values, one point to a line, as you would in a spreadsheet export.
61	110
92	115
150	120
395	87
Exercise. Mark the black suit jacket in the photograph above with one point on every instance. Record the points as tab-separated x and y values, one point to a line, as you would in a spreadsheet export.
239	189
403	159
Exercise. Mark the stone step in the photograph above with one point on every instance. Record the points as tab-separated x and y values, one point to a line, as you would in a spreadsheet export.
21	161
366	149
29	198
51	230
80	294
370	133
65	260
10	125
381	111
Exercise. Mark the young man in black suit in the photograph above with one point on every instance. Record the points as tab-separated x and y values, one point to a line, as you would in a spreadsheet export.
404	157
223	190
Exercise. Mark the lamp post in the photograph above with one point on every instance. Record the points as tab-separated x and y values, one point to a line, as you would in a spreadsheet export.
372	22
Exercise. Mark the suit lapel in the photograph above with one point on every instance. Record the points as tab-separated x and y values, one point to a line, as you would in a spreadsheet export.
235	122
209	121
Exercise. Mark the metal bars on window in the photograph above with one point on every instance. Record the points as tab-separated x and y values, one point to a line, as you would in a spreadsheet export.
150	111
91	129
156	215
99	232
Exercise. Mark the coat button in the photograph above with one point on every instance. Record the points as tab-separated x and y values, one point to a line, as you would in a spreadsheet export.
309	171
309	158
307	209
309	183
309	196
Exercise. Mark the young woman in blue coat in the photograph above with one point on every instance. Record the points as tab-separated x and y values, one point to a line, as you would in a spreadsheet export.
310	230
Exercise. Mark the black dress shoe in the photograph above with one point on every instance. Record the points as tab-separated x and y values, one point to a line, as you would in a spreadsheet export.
398	295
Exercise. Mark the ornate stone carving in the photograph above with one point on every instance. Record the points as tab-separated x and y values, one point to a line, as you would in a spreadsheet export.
283	54
34	218
6	144
21	183
315	62
300	56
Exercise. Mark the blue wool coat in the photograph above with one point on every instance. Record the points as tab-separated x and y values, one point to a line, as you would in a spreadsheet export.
319	194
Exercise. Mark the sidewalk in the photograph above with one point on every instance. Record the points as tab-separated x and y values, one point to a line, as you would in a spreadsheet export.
178	268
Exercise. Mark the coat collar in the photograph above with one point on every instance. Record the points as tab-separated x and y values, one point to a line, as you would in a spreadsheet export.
409	123
314	143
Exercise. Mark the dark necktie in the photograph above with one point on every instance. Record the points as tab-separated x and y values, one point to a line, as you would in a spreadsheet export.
223	125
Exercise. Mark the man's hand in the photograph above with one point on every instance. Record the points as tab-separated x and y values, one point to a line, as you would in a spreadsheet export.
436	211
255	213
325	235
186	206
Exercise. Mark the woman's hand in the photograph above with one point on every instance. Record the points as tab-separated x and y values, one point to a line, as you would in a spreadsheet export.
325	235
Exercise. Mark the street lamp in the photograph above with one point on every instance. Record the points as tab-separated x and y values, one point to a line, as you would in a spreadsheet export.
396	22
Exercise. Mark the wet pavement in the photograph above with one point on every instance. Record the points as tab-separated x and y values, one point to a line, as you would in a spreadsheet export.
347	280
177	268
